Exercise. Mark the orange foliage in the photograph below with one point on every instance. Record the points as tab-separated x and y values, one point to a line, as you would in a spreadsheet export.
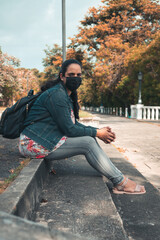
26	81
112	32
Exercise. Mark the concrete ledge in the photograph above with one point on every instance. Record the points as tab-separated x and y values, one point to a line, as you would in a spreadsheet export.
78	201
22	196
16	228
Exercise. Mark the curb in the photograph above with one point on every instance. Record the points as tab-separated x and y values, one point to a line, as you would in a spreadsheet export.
21	198
16	228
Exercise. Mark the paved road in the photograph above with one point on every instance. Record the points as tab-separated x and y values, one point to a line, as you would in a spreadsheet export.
139	142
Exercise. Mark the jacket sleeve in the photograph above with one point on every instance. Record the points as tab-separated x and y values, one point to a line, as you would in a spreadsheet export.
59	106
82	125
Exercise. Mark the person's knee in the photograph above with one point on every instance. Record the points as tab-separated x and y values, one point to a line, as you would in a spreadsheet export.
89	142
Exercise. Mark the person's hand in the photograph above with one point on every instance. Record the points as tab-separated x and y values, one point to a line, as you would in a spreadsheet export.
106	135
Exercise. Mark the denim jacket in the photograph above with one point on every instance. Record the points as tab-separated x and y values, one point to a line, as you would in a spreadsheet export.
55	105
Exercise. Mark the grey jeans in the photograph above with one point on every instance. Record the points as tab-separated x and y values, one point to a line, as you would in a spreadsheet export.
94	154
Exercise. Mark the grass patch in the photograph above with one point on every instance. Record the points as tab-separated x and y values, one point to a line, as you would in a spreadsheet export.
14	173
84	114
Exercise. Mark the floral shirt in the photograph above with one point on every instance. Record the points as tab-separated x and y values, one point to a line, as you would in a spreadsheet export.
30	148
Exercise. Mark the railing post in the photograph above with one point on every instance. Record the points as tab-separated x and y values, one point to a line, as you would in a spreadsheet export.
120	111
101	109
152	113
144	113
133	111
139	111
149	114
116	111
156	113
126	112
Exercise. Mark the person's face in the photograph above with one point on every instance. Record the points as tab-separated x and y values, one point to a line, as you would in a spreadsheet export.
73	70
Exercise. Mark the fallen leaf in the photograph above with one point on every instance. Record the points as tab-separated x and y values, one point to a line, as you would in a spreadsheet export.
121	149
44	200
135	150
53	171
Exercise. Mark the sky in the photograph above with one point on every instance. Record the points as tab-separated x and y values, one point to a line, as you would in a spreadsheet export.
28	26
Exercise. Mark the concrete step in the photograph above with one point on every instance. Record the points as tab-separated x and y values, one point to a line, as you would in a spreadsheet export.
77	200
16	228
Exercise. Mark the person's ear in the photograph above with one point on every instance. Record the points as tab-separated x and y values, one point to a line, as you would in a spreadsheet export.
61	77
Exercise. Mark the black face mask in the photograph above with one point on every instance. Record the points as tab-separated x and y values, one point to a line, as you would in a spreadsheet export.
72	83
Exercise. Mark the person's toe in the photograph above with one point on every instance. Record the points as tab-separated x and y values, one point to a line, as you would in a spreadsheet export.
139	188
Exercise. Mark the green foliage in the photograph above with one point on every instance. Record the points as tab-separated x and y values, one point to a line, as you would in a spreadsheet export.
145	59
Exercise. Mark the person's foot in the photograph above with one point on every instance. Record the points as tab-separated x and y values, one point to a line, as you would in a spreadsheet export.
129	187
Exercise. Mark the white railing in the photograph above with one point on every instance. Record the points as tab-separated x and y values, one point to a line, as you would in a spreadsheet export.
138	111
152	113
117	111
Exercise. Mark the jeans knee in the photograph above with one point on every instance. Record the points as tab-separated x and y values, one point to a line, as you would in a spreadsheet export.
89	142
